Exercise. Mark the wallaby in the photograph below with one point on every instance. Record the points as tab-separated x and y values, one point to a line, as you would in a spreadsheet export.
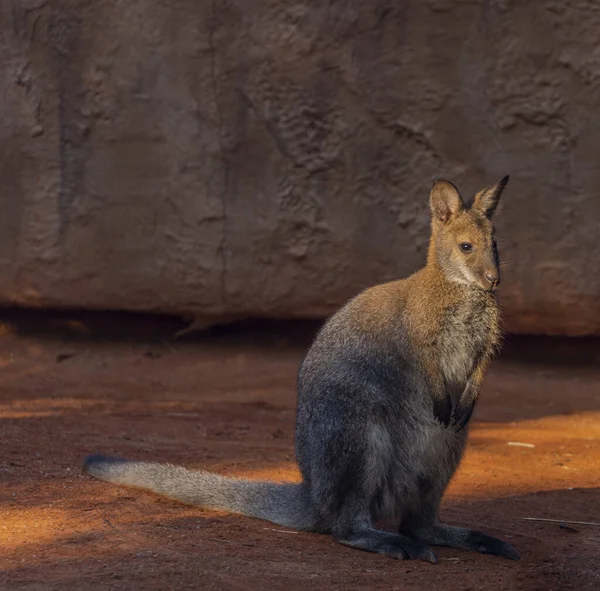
385	394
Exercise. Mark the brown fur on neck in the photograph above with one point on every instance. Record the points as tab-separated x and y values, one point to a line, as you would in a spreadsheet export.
419	304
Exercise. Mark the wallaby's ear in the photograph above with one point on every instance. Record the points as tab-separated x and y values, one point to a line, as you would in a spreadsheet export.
445	200
487	199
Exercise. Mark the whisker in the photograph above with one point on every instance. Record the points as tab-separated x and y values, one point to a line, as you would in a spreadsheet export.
509	262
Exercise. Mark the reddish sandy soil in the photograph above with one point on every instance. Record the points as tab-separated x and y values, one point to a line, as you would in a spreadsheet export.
225	401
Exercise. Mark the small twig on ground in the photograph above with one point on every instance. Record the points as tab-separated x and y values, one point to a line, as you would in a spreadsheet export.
594	539
230	542
562	521
519	444
281	531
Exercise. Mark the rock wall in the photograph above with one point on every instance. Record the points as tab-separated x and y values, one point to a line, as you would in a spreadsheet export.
273	157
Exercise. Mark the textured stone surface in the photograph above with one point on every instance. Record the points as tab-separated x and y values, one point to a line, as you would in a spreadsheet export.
273	157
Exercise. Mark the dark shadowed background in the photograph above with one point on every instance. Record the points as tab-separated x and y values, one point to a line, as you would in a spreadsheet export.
272	158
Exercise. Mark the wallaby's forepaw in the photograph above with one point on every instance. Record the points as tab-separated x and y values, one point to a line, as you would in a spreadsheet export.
462	414
489	545
442	410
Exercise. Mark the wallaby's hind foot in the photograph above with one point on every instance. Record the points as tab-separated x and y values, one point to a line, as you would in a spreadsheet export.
462	538
382	542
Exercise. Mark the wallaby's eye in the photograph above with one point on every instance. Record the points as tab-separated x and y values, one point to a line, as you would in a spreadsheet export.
466	246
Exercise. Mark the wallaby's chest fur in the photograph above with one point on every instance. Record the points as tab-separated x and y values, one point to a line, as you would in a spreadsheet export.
467	334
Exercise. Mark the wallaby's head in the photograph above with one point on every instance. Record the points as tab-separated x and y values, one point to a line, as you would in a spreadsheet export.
463	245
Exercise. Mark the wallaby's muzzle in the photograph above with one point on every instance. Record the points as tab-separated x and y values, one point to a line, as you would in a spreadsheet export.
492	279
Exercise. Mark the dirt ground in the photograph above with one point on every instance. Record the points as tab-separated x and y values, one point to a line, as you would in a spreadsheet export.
225	401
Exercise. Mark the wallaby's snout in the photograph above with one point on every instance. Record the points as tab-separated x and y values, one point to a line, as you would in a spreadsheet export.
493	279
483	272
487	272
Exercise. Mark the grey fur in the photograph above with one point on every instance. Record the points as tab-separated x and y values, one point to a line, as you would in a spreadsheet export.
284	504
368	443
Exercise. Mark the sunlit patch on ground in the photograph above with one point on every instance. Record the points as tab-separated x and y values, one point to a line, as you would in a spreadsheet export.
534	452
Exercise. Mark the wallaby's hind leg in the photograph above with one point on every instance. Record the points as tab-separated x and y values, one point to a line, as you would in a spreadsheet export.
354	528
423	527
440	534
382	542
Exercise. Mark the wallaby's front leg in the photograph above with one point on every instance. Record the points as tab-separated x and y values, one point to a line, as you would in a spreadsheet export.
442	407
441	395
466	404
464	409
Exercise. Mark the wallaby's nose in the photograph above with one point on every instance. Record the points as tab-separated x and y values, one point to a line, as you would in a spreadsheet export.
492	278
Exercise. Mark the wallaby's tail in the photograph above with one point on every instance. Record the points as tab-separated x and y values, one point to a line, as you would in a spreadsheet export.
284	504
